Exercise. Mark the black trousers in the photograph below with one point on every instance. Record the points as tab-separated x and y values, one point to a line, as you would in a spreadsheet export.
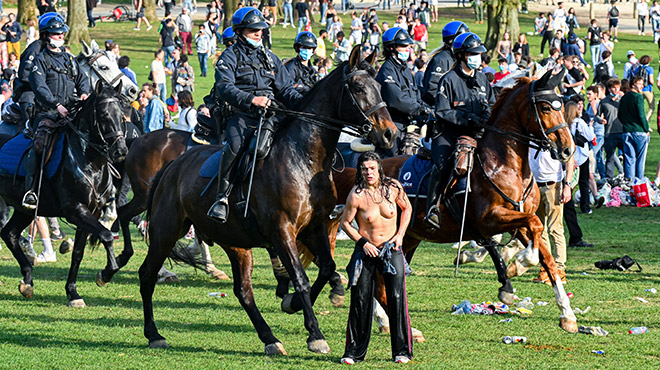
360	316
570	216
583	182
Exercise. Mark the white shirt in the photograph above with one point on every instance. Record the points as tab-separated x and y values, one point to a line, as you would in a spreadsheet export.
158	71
642	8
187	120
545	168
582	152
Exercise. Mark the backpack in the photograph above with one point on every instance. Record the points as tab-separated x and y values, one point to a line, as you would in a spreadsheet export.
595	35
614	12
601	73
643	73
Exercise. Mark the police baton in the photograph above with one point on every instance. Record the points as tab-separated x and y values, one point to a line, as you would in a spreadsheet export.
262	115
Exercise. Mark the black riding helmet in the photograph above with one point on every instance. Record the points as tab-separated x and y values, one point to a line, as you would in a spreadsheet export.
468	43
305	39
248	17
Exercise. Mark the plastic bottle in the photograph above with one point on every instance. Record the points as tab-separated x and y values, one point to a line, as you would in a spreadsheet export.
638	330
509	340
652	290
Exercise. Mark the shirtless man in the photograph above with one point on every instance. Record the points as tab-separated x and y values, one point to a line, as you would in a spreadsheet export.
373	203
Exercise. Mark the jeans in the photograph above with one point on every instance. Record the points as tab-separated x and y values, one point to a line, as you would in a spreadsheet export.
168	54
641	21
302	22
188	4
595	57
634	154
203	62
600	163
162	91
288	13
90	19
324	9
344	5
386	3
612	143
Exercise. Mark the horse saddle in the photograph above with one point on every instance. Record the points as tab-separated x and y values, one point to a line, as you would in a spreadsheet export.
13	152
414	175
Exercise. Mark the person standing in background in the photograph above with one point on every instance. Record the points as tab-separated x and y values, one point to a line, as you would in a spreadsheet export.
184	23
635	130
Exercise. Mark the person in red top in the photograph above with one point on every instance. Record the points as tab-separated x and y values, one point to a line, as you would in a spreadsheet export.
503	71
420	35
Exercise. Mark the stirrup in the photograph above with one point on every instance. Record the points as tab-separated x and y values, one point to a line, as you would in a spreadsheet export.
432	218
29	200
219	211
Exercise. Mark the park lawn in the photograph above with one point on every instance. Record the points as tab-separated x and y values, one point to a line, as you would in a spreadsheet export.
213	332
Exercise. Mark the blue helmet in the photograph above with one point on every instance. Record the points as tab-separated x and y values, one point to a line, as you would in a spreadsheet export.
396	36
248	17
228	36
56	25
306	39
453	29
43	19
468	43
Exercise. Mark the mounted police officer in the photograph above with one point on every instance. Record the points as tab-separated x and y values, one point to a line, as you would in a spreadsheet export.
463	101
397	84
56	81
248	77
302	72
442	61
228	37
23	94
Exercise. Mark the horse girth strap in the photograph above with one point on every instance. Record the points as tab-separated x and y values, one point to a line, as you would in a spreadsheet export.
518	205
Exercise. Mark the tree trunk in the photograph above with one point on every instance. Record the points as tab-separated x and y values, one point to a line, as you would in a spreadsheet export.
502	17
150	11
77	21
27	9
230	8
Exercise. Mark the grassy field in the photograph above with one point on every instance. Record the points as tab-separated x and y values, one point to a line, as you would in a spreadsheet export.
213	332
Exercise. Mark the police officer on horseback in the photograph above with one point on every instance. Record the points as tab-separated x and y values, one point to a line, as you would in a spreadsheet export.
248	77
56	81
462	104
442	61
228	37
397	85
302	73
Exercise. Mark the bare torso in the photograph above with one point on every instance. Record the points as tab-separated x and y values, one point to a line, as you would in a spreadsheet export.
376	214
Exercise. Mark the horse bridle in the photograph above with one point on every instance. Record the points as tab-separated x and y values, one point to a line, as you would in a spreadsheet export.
104	147
98	54
366	123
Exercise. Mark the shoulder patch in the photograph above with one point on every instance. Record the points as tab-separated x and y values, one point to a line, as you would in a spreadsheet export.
389	80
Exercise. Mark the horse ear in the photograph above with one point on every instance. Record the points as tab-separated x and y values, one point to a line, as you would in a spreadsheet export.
556	79
356	56
99	87
371	59
86	50
119	86
541	83
94	45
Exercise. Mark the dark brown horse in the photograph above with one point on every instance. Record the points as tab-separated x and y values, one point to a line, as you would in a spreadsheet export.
522	111
292	196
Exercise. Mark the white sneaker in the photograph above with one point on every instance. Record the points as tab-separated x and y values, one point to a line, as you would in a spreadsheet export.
347	361
46	257
136	29
401	359
150	27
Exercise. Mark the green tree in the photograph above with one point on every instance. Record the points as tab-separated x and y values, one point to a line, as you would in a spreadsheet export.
502	17
77	21
26	9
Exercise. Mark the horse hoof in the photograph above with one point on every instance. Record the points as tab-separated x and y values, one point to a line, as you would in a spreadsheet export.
506	297
286	304
384	329
219	275
337	300
77	303
26	290
568	325
99	280
160	343
66	246
275	349
318	346
417	335
344	281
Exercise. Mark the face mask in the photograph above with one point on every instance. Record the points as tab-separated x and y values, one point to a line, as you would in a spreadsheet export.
254	43
403	55
474	61
56	43
306	54
321	75
502	68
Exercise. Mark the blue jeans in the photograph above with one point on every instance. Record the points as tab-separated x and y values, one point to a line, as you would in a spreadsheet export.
302	22
162	91
595	58
600	163
324	10
386	2
203	61
634	154
344	5
288	13
168	54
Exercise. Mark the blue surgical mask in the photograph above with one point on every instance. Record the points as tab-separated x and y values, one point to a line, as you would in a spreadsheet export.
502	68
474	61
306	54
403	55
321	75
254	43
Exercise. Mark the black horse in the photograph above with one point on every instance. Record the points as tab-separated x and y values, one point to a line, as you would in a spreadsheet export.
292	196
81	187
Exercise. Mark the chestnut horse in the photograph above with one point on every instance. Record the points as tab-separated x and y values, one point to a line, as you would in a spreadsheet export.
292	197
500	180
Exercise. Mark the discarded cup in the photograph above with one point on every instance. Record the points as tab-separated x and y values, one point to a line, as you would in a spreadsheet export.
638	330
652	290
217	294
509	340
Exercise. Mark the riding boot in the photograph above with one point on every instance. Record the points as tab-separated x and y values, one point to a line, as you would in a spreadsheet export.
265	139
31	167
436	187
219	211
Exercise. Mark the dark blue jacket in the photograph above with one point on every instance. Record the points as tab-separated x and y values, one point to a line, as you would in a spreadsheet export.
14	27
573	49
461	99
21	83
243	73
439	64
303	77
56	79
397	87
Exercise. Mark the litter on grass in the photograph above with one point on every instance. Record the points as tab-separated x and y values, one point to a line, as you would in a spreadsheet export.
592	330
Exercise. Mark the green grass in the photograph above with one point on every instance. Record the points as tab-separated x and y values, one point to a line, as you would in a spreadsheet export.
213	332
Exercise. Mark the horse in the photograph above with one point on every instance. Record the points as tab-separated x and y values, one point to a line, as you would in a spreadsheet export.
292	196
504	196
79	189
96	65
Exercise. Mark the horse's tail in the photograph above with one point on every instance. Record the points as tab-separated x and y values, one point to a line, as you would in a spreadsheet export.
306	256
152	189
183	253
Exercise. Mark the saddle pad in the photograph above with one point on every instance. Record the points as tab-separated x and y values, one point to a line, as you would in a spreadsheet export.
12	156
411	174
211	165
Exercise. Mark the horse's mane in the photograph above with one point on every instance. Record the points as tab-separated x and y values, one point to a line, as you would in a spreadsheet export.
506	93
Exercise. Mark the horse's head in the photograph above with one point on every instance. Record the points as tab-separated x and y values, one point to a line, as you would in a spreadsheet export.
96	64
546	119
367	108
105	125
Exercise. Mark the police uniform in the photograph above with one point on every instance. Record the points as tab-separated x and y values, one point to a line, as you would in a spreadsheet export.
462	102
442	61
304	77
242	73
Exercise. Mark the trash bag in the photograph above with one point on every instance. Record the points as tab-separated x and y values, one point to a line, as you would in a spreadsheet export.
621	264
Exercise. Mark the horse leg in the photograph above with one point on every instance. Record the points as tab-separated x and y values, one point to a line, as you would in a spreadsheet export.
209	267
284	242
467	256
125	213
241	264
11	233
506	290
510	250
75	300
282	277
567	319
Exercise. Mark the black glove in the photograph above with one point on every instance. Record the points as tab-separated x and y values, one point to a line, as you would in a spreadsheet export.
473	120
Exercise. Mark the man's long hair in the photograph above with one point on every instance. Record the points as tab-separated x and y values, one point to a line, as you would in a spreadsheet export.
361	183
